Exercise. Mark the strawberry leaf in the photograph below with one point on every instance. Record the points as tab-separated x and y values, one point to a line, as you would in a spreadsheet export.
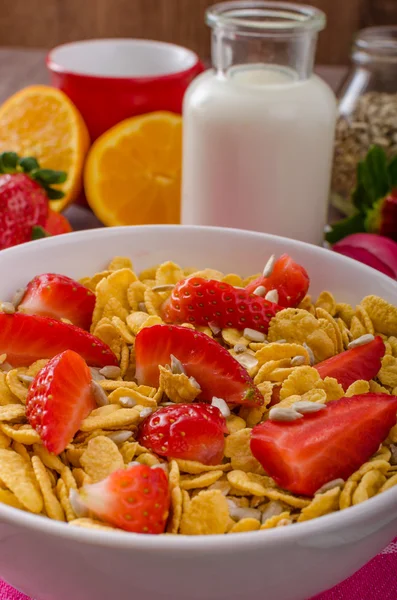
28	164
53	194
339	230
48	176
8	162
372	179
38	233
392	171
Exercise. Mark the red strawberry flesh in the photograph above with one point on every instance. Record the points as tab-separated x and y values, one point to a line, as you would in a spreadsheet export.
186	431
216	371
362	362
201	301
136	499
58	296
27	338
289	279
303	455
59	398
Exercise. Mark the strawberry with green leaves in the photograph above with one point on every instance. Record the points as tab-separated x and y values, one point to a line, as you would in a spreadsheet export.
25	190
374	199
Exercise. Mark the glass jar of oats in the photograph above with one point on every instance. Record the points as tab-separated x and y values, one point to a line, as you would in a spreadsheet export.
367	109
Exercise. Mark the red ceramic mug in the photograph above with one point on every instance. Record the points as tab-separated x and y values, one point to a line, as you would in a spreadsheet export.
112	79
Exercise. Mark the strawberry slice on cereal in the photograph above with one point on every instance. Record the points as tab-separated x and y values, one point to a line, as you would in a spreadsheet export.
283	281
203	301
212	366
186	431
304	454
27	338
360	362
136	499
58	400
58	296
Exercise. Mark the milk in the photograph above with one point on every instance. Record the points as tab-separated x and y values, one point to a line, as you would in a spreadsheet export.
257	151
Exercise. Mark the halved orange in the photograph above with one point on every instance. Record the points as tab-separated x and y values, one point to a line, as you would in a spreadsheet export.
41	121
133	171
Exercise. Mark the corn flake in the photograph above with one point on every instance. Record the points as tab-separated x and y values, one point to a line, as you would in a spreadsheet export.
101	458
178	387
52	505
237	448
388	372
17	475
206	514
191	482
322	504
277	521
369	485
247	524
118	419
383	315
327	302
358	387
195	468
300	381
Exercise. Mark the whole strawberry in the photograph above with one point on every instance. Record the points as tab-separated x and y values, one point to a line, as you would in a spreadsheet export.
25	190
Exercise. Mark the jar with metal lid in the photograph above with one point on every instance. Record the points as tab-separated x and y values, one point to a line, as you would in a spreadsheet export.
367	109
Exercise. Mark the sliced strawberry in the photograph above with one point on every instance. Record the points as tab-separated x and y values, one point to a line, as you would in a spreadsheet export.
187	431
303	455
135	499
287	278
59	398
362	362
216	371
27	338
201	301
58	296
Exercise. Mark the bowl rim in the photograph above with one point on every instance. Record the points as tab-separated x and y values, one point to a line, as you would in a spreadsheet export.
55	67
380	507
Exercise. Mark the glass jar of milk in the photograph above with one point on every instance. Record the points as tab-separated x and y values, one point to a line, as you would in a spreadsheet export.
259	127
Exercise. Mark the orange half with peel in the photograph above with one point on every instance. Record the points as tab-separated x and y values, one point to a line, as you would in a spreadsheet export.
133	171
41	121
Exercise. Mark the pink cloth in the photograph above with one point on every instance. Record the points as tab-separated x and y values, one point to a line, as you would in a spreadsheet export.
376	581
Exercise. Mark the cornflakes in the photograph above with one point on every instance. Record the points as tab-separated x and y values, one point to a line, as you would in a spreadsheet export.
231	497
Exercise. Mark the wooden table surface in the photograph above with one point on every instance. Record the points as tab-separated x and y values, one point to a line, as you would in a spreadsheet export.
20	67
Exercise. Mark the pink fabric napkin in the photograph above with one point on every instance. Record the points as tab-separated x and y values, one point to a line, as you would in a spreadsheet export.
377	580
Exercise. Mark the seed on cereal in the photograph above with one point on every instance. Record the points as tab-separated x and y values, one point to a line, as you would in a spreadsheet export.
305	407
247	360
7	307
119	437
17	297
77	505
239	348
145	412
284	414
297	361
363	339
127	402
142	307
272	296
176	366
200	301
238	513
253	335
99	394
287	278
330	444
95	372
310	353
110	372
211	365
269	266
163	288
27	338
260	291
25	378
186	431
221	404
360	362
57	403
214	328
58	296
330	486
136	499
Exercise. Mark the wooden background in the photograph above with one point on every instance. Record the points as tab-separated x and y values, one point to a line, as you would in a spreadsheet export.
46	23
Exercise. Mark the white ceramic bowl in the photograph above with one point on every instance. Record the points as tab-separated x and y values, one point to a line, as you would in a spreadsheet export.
53	561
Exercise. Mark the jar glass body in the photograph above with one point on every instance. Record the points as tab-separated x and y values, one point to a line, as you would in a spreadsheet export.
259	126
367	109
